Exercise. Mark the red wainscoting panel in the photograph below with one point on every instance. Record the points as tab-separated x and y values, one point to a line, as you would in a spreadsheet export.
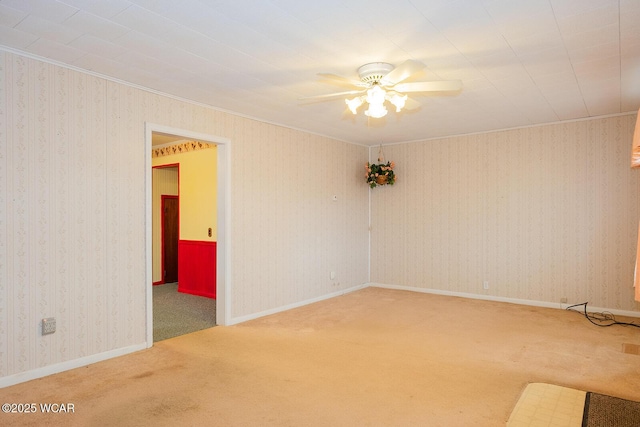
197	268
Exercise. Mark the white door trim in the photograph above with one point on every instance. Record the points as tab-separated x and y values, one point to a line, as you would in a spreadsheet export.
223	245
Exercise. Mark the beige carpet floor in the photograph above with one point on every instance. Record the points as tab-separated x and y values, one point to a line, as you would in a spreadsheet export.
374	357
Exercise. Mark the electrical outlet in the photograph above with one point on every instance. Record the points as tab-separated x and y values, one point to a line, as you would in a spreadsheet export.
563	300
485	284
48	325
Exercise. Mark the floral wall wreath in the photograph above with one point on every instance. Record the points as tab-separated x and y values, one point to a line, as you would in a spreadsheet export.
380	173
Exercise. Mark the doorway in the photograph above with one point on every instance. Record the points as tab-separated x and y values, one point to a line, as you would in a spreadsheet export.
184	191
221	262
170	220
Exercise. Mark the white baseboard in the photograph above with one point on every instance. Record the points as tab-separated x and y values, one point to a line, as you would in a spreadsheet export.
68	365
88	360
240	319
533	303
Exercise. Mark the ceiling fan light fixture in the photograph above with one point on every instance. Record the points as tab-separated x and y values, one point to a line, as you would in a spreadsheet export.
376	111
376	76
354	103
398	101
376	97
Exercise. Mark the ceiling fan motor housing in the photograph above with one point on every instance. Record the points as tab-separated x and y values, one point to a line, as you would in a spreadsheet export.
373	72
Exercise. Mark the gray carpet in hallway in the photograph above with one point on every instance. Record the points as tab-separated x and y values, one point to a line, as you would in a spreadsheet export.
176	313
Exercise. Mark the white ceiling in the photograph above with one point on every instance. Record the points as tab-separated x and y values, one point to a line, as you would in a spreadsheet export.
521	62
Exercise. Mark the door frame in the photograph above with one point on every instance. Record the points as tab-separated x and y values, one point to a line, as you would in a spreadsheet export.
223	259
163	198
168	165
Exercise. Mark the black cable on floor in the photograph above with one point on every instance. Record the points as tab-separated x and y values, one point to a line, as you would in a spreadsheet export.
603	319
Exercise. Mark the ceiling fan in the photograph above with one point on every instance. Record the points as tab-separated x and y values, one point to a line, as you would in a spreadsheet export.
380	82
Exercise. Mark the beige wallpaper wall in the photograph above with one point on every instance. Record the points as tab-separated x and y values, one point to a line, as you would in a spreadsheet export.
541	213
72	213
293	231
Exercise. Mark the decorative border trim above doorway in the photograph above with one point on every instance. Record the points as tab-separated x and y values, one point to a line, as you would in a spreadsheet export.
180	148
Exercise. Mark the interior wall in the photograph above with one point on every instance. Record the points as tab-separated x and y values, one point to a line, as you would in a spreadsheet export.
72	213
541	213
287	226
198	192
164	183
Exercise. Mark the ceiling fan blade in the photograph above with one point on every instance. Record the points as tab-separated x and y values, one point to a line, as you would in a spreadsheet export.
401	72
332	95
343	80
437	86
411	104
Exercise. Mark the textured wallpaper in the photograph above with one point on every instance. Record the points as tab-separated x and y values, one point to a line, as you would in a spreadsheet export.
292	231
72	212
541	213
